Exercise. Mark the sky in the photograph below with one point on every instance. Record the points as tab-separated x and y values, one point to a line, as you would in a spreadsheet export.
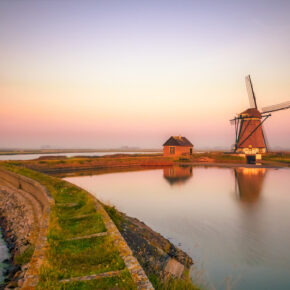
104	74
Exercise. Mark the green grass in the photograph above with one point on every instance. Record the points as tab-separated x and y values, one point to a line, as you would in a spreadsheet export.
278	157
76	227
114	215
220	157
85	257
25	257
74	215
123	281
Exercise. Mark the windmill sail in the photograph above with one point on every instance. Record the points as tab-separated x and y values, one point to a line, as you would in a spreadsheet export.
278	107
251	94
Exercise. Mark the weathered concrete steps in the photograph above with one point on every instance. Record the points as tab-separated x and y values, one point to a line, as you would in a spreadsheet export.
132	264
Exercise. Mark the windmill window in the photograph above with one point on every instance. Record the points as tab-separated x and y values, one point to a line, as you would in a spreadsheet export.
172	150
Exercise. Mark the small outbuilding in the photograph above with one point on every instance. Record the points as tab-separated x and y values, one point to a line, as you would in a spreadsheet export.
177	146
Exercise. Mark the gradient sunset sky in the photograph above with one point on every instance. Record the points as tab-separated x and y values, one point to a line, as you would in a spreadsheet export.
95	74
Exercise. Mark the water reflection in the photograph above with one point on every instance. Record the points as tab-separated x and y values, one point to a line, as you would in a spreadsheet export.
249	190
177	174
249	183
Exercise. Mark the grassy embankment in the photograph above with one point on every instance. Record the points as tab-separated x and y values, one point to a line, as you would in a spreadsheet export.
49	165
278	157
74	215
155	278
53	151
212	157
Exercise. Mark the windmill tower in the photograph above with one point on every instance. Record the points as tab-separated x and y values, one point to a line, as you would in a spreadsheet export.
250	139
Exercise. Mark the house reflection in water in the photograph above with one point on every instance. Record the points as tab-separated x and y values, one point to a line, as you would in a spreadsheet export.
177	174
249	183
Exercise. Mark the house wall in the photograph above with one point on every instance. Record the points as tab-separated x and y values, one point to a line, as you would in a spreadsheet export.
179	150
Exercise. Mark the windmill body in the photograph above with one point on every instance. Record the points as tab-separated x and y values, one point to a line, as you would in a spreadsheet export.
250	139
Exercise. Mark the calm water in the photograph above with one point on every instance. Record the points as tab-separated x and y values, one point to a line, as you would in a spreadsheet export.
35	156
3	255
234	223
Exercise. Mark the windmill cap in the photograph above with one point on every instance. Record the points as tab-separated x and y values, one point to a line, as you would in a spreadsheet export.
252	113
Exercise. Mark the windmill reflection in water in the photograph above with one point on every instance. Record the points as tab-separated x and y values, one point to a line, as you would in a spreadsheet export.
249	183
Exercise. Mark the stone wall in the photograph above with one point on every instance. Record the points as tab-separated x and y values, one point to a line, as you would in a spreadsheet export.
24	210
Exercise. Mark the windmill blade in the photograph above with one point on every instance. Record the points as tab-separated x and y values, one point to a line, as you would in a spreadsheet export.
266	139
251	94
278	107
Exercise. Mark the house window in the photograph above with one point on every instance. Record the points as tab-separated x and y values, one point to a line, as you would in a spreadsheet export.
190	151
172	150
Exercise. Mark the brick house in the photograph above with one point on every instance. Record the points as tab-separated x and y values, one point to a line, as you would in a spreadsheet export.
177	146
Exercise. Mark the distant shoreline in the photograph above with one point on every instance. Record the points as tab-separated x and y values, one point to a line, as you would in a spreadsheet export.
54	151
123	162
235	165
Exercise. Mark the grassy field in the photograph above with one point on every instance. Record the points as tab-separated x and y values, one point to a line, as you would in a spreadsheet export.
73	163
212	157
53	151
278	157
63	164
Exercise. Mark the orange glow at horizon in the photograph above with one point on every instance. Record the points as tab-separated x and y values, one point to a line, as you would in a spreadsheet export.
111	78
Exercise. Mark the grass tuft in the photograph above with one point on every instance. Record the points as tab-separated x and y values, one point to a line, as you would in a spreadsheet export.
25	257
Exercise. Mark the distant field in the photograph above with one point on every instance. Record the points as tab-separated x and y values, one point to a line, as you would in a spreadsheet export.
62	164
283	157
70	164
52	151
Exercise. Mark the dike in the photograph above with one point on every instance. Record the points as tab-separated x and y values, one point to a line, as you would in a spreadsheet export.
24	208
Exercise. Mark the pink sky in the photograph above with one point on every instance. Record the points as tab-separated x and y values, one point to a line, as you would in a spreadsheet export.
106	75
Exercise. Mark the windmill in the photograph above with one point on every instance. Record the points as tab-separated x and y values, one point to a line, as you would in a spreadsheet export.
250	139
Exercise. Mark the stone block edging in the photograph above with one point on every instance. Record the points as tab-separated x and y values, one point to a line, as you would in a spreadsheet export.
18	184
138	274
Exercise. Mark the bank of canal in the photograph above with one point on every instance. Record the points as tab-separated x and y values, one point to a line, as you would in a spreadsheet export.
4	258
